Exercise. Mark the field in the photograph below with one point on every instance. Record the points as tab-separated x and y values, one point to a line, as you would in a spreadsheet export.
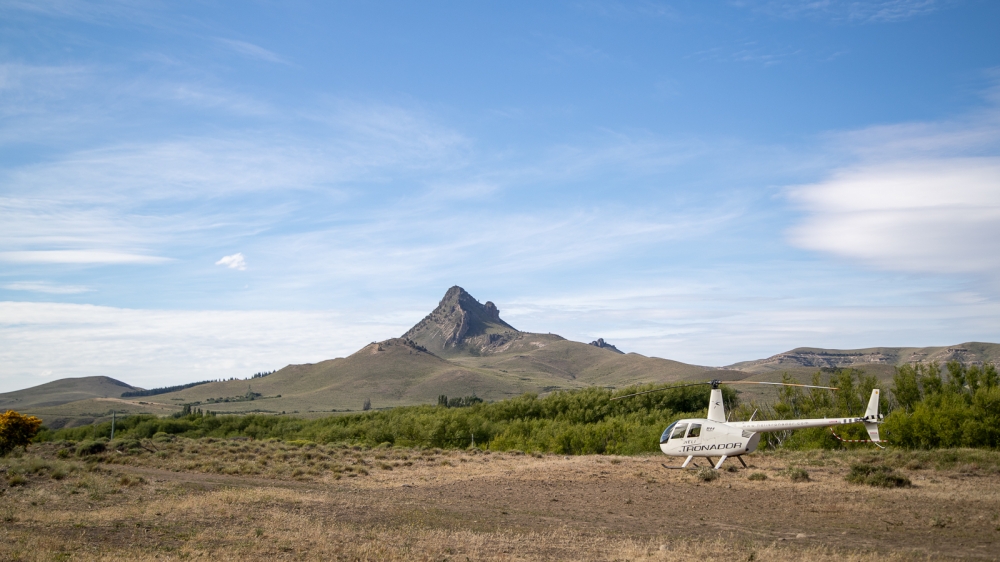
177	498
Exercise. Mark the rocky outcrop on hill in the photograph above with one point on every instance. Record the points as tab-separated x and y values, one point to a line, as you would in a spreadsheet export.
971	353
599	342
460	323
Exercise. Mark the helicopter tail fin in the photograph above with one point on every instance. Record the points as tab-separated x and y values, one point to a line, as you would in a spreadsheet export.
872	417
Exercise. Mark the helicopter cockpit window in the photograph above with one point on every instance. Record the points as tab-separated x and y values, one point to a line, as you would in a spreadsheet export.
695	430
679	431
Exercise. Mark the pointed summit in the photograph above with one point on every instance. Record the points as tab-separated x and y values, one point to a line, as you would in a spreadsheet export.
461	324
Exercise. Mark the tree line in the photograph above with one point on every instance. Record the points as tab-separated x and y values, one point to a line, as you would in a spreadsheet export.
571	422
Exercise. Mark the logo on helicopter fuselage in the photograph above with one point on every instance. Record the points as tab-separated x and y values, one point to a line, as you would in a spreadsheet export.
714	447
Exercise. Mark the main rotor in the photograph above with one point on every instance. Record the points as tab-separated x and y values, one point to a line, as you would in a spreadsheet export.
715	386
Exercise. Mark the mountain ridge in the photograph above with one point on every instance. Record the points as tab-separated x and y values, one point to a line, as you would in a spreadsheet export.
461	348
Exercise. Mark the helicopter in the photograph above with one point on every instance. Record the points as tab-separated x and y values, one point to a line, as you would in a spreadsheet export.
716	436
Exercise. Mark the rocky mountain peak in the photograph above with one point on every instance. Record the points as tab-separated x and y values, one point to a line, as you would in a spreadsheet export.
462	323
599	342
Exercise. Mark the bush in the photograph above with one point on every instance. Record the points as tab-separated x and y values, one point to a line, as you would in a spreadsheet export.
88	447
17	430
125	445
876	475
757	476
16	480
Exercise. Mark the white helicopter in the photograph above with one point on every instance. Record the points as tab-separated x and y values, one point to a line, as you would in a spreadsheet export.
716	436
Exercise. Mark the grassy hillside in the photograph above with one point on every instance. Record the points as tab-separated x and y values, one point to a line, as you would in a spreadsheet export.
62	391
399	372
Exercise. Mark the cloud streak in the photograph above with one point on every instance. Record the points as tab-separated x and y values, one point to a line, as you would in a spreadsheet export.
45	287
80	257
251	50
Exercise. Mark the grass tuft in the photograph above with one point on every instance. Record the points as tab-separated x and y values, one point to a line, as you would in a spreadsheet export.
706	474
796	474
876	475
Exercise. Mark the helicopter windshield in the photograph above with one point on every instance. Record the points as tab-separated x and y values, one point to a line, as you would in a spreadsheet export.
666	433
673	431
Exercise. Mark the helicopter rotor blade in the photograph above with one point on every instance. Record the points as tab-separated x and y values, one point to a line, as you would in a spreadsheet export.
781	384
660	390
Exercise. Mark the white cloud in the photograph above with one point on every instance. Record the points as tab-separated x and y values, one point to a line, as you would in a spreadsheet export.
46	287
80	256
235	261
914	204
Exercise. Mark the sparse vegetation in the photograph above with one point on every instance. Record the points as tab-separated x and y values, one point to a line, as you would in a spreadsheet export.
757	477
106	505
876	475
796	474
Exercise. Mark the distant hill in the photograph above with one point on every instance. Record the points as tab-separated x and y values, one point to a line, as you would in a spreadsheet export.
63	391
462	348
872	358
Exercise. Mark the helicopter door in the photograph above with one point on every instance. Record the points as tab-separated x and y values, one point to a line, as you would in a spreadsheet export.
695	430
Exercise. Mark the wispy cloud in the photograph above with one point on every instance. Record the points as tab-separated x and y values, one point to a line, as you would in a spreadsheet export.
79	257
235	261
872	11
251	50
46	287
133	12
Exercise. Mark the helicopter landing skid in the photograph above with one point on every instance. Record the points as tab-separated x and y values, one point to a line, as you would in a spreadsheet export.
695	465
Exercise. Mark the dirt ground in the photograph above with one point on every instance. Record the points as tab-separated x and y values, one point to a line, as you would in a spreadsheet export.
183	501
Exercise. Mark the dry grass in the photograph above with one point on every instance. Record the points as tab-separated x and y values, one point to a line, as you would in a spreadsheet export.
214	499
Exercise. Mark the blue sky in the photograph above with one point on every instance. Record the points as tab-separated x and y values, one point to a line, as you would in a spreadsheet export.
205	190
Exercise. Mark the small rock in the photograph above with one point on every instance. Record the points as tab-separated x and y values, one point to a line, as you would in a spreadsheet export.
663	547
800	536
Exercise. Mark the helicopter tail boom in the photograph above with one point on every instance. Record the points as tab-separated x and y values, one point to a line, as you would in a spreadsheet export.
872	417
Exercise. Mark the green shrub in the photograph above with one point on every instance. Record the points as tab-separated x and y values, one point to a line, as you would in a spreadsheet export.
88	447
757	476
16	480
796	474
125	445
876	475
